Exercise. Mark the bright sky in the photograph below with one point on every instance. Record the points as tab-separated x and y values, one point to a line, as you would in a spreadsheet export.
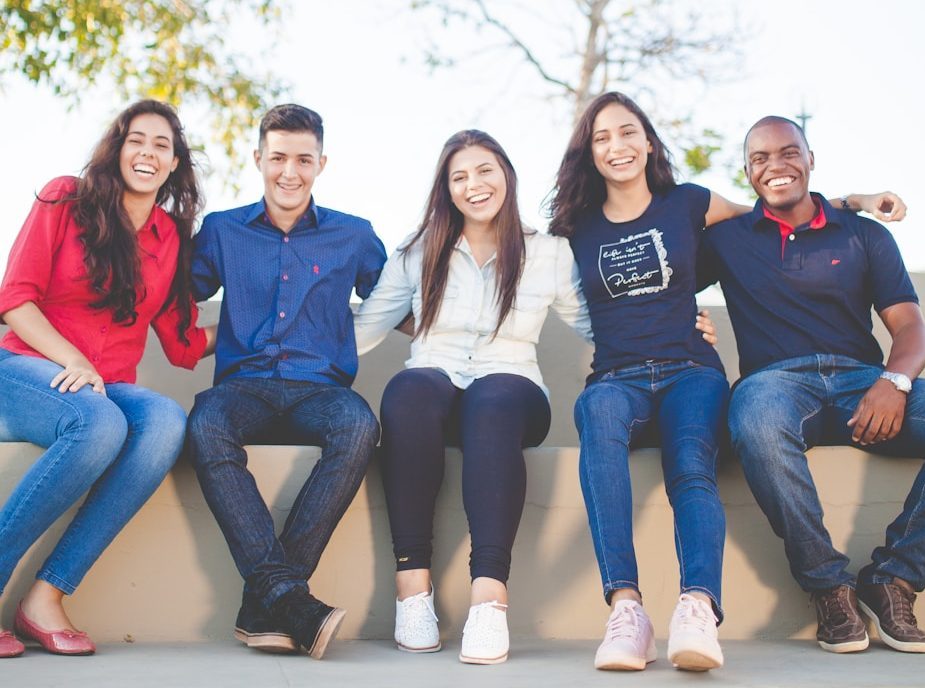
853	64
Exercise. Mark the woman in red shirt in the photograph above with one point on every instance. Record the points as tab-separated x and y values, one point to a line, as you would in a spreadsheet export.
99	258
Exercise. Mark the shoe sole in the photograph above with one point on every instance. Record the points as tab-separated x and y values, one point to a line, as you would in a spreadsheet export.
278	643
900	645
691	660
419	650
482	660
326	633
843	648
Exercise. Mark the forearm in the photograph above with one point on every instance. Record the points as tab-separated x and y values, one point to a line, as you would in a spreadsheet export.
907	355
31	326
211	335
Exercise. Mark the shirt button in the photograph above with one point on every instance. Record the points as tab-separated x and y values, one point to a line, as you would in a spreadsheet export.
96	358
285	277
282	314
285	240
103	329
792	237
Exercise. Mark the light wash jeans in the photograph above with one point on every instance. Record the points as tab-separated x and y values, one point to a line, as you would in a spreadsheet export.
682	406
119	447
780	411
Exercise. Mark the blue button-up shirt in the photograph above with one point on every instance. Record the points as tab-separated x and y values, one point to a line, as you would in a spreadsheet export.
286	306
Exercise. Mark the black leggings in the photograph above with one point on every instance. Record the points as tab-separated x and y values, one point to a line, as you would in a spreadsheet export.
492	421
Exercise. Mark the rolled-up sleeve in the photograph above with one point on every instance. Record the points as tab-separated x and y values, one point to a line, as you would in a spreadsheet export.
178	353
570	302
387	306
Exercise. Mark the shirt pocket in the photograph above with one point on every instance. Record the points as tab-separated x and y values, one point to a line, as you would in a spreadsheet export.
525	319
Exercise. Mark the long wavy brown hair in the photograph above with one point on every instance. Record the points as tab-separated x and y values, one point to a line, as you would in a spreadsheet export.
109	239
442	226
580	187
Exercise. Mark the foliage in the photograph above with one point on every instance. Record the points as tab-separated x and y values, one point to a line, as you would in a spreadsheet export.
179	51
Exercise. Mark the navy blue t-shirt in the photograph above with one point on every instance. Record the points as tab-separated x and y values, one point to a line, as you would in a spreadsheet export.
639	280
809	294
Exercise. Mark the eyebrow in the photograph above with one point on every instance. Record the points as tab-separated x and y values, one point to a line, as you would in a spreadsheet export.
781	149
622	126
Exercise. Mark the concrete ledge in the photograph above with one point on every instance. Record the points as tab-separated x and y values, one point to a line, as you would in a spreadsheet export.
168	575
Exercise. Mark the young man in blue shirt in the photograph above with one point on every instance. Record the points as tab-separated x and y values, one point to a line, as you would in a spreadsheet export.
285	360
800	277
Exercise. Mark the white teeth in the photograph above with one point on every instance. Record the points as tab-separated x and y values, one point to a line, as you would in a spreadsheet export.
142	168
478	198
621	161
780	181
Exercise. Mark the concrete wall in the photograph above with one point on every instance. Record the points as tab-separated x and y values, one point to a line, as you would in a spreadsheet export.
168	576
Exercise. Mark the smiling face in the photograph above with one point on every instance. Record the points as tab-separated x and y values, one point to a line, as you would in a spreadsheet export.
477	185
619	146
778	163
289	161
147	157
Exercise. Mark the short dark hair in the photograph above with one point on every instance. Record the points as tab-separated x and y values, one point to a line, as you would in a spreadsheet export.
291	117
772	119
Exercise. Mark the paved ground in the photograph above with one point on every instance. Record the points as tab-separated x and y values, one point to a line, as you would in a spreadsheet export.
363	663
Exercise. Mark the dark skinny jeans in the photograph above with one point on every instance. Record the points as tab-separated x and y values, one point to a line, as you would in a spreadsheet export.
492	421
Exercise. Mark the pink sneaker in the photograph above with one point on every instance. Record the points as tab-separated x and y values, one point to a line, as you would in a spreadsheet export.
693	643
628	639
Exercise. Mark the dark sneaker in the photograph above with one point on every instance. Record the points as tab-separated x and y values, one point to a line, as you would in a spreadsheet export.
889	606
255	628
310	622
841	628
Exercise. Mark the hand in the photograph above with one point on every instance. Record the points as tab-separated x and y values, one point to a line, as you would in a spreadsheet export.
77	374
705	325
885	206
879	415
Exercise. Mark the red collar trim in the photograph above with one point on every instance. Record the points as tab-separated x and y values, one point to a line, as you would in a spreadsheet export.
818	221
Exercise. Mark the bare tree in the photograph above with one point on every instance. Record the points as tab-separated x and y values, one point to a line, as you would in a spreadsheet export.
582	48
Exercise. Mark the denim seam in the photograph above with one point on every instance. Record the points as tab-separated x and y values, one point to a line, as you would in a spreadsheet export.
55	580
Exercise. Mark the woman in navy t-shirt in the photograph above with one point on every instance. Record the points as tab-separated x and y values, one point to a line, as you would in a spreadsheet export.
634	232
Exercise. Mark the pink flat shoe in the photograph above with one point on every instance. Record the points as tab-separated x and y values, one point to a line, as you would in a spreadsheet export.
63	642
10	645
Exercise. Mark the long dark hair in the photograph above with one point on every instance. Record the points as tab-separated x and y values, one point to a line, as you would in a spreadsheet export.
442	226
580	187
109	239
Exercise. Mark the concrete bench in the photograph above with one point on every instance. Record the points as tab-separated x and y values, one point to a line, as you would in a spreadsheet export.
168	575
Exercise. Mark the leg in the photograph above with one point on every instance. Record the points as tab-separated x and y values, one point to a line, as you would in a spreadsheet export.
224	418
156	427
691	419
608	414
83	432
774	415
692	415
338	420
416	406
499	415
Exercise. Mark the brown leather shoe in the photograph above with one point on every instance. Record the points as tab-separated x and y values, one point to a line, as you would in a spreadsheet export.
889	606
841	628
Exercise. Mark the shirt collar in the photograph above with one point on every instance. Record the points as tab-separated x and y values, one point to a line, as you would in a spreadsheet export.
825	215
258	213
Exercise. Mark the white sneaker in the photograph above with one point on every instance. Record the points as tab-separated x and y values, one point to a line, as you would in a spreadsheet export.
629	642
485	638
416	623
692	636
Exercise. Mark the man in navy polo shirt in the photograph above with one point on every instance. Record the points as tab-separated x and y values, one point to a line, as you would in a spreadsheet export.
800	277
285	360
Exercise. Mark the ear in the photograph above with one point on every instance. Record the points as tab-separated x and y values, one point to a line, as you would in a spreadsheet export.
812	161
649	146
257	157
322	161
173	165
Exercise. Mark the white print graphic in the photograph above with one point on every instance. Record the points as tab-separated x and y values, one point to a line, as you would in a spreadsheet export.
635	265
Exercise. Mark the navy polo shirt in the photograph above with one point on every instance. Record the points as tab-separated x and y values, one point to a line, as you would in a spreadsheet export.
286	304
810	293
639	280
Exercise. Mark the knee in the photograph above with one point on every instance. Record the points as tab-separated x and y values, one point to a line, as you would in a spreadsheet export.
412	392
162	428
207	424
758	416
598	410
355	419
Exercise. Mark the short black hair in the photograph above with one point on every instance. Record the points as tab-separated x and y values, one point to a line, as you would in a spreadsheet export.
291	117
772	119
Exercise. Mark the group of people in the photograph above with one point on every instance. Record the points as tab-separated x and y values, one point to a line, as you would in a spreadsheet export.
103	255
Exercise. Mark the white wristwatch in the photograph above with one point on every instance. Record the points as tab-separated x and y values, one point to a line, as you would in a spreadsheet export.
900	381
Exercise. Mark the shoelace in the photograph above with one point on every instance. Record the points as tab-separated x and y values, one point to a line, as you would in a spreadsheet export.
691	611
481	609
415	603
835	604
623	623
904	611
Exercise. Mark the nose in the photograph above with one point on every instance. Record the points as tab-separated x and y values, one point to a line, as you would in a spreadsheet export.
289	168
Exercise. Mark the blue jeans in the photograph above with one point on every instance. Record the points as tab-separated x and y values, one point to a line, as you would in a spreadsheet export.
241	411
682	405
780	411
119	447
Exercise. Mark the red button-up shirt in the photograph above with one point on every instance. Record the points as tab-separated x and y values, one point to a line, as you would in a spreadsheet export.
46	266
